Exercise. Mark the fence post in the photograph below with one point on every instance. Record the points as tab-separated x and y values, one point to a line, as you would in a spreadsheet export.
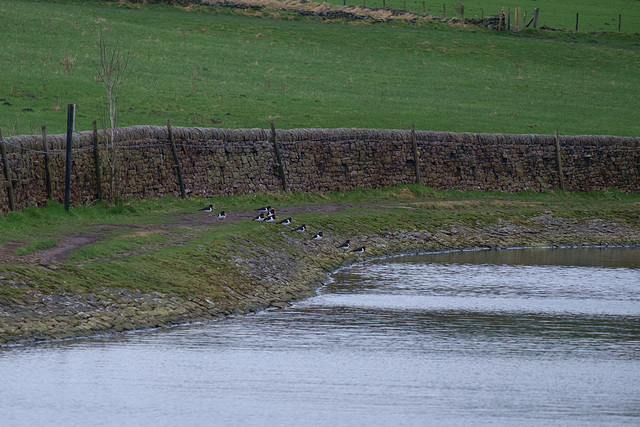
67	174
278	157
96	161
535	17
519	18
416	159
577	16
560	173
47	164
183	194
619	23
7	173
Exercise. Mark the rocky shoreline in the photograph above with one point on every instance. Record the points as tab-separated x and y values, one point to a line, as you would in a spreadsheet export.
38	315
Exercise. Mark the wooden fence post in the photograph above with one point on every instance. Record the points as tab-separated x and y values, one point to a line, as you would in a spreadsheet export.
416	158
560	173
67	173
619	23
7	173
96	161
183	193
47	164
577	16
518	18
278	157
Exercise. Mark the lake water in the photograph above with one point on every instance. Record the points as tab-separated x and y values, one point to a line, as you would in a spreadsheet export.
520	337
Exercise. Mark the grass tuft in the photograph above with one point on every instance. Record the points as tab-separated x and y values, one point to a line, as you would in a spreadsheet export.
38	245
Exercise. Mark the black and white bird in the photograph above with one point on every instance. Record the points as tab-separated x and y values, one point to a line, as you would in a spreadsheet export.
222	215
286	221
359	250
270	218
260	217
207	209
264	209
345	245
318	236
301	229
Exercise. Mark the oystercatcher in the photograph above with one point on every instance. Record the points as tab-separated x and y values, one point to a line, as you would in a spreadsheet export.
345	245
318	236
359	250
207	209
301	229
270	218
260	217
222	215
286	221
264	209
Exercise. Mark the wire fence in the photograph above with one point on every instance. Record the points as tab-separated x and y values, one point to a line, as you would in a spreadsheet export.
621	17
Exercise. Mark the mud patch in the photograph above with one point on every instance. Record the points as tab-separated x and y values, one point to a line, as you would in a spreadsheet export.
60	252
8	250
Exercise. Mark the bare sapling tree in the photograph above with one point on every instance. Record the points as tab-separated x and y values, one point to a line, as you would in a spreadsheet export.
112	69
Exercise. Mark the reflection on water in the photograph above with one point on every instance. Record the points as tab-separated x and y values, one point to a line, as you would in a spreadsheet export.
511	337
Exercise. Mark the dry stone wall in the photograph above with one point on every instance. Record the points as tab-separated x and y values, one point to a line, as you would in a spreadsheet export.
231	161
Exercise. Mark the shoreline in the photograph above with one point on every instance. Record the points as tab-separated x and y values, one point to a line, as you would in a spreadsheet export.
41	317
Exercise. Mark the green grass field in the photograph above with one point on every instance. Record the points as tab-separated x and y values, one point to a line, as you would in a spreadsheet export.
210	68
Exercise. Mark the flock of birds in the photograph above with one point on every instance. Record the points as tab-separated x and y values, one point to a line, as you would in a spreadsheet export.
268	214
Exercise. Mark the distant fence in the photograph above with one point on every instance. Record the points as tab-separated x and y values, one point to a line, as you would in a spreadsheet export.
151	161
620	18
583	18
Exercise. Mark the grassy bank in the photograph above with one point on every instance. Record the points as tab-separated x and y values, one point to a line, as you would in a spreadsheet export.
215	67
166	250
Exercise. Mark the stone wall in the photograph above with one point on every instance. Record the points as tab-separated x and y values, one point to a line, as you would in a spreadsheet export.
231	161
